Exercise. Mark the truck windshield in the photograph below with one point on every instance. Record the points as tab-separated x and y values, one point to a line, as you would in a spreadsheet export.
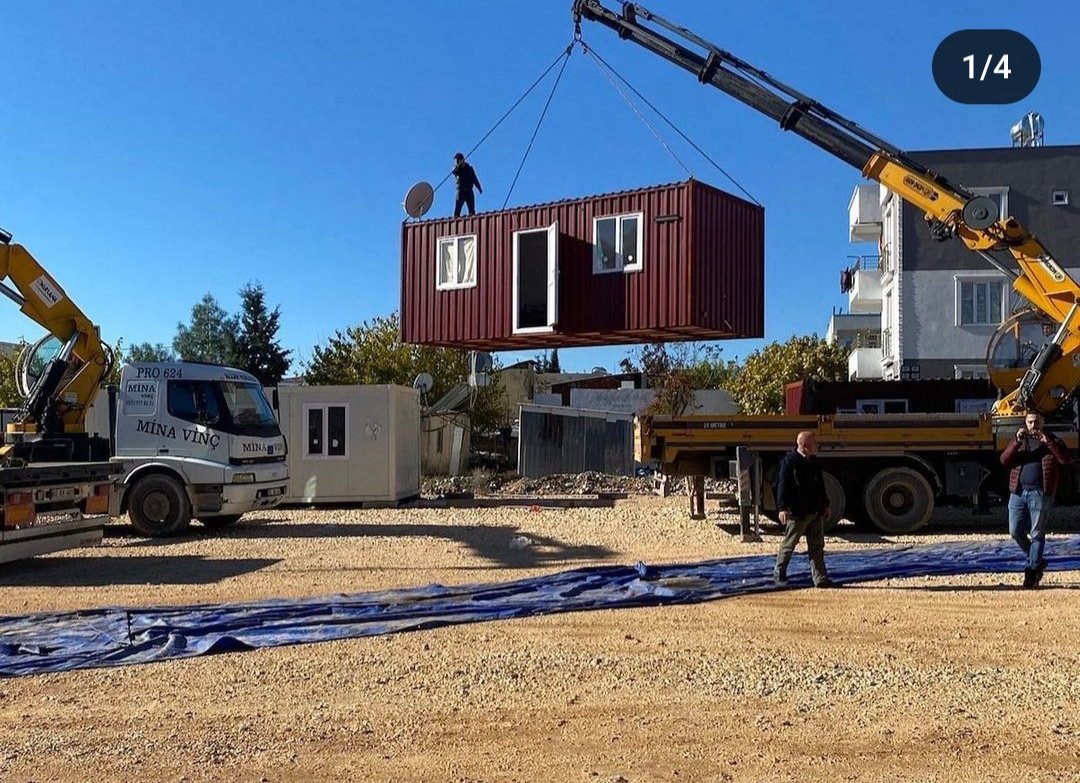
251	414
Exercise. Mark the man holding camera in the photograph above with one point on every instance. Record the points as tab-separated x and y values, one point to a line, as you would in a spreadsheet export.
1034	457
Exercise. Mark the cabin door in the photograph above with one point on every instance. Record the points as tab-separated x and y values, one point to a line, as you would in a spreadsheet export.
536	279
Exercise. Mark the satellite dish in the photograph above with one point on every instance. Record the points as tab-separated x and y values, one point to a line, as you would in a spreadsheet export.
418	199
600	370
423	382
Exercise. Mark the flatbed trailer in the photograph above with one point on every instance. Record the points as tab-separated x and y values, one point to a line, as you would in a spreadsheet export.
51	506
890	470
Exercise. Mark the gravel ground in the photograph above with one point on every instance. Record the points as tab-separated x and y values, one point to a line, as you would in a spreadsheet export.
965	678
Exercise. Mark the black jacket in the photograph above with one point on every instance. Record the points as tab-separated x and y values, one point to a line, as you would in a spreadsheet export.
466	177
800	487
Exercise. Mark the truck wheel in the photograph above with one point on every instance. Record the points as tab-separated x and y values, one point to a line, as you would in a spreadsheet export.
220	521
159	506
837	500
899	500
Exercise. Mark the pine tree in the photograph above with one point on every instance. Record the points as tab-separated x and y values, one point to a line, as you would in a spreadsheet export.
211	336
553	361
257	348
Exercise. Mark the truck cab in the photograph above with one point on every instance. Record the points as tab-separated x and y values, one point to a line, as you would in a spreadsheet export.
196	441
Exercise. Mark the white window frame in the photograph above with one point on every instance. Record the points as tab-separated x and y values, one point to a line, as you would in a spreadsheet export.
325	407
552	232
1063	193
880	404
619	266
454	240
973	405
978	371
961	280
1002	190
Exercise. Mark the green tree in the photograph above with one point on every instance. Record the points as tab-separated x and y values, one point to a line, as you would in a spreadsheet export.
759	385
677	371
257	348
373	353
9	387
548	361
145	352
211	335
113	375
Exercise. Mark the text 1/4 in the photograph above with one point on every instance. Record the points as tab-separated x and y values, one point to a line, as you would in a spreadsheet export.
1001	68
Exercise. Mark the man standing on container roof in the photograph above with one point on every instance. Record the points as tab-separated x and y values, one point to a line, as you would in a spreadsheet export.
804	506
466	178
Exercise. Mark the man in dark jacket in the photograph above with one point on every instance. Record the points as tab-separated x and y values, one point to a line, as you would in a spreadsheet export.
803	505
1034	457
466	179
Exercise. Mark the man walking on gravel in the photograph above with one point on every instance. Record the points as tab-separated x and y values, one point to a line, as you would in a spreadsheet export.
804	506
1034	457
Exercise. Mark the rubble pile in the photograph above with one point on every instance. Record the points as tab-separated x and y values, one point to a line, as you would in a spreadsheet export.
445	486
579	484
588	483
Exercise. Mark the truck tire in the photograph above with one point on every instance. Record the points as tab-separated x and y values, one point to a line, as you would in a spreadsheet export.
837	500
224	520
158	506
899	500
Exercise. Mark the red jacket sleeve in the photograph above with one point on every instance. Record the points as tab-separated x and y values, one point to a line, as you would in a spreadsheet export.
1008	457
1059	450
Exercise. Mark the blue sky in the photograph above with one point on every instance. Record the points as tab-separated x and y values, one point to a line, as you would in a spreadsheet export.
152	152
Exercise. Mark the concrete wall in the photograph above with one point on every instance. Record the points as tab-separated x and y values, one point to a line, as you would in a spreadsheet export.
636	400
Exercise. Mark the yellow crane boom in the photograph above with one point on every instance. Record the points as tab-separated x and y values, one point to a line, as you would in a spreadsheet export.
951	211
57	403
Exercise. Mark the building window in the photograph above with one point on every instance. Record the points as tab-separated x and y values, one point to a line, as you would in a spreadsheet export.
980	302
617	243
456	262
327	431
881	406
998	194
1060	198
974	406
970	371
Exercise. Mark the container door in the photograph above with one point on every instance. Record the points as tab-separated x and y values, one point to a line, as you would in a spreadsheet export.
553	274
535	279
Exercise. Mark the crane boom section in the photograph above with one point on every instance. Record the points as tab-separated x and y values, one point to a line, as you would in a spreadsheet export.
949	209
42	299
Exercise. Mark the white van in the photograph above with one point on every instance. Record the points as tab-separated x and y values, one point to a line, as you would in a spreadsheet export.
196	441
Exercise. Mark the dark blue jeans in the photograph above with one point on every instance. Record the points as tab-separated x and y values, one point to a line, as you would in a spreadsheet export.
1029	513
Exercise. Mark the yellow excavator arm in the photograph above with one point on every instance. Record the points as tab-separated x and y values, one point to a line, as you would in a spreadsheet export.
58	400
951	211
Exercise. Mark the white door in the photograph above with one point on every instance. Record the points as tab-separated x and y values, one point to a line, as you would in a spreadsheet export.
536	279
553	274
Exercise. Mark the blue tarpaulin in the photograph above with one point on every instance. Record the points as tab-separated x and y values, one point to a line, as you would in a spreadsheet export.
64	641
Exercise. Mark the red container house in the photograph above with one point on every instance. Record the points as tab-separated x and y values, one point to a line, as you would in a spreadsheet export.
676	262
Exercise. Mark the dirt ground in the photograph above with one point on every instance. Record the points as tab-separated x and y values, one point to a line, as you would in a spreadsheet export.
964	678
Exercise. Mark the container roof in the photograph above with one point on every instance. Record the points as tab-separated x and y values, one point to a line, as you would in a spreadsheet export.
582	199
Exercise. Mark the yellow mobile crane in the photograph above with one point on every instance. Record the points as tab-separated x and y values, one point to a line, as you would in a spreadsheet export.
183	440
888	468
56	484
51	425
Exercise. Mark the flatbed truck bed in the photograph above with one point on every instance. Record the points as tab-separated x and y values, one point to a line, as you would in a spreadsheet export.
51	506
889	470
